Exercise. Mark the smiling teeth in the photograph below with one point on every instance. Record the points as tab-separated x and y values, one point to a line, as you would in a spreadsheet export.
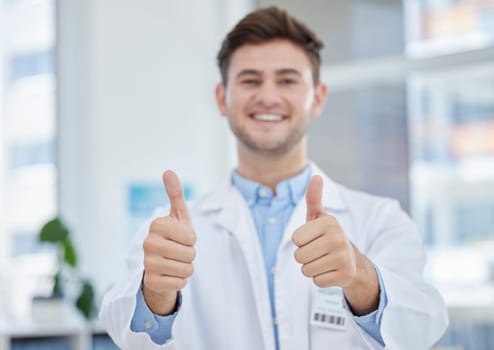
268	117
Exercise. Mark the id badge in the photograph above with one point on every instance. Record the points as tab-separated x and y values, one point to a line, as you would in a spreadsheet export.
328	309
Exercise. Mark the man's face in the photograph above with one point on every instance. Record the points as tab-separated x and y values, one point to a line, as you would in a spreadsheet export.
270	96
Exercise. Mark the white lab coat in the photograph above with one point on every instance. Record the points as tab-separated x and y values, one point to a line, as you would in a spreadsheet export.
226	303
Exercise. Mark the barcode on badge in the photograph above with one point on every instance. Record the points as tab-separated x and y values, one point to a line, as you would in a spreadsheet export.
329	319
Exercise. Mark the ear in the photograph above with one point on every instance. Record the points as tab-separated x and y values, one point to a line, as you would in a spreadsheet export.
220	92
320	93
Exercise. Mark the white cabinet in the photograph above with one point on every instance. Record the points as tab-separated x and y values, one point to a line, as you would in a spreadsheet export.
67	330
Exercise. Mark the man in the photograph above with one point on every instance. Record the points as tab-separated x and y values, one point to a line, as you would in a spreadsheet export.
279	257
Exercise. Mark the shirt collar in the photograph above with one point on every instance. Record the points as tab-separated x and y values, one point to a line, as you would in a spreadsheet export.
227	194
292	189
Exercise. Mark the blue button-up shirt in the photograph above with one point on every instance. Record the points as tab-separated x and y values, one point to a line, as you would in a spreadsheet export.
270	212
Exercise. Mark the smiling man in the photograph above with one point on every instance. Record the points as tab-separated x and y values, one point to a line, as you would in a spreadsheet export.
280	256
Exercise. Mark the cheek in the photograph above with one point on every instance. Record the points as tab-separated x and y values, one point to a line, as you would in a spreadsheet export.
304	100
237	100
309	101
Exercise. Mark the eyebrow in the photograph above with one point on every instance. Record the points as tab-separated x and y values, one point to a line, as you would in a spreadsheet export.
248	72
259	73
288	71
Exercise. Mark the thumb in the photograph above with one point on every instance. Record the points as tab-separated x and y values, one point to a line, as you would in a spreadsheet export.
313	197
173	187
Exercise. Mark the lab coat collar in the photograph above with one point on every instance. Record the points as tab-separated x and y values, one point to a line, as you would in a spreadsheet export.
227	194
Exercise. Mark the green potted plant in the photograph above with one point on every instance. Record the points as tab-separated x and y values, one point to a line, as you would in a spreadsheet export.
56	233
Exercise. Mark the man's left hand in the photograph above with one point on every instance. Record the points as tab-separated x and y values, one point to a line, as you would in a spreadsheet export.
330	259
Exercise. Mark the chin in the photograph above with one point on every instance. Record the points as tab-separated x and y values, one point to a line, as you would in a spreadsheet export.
270	150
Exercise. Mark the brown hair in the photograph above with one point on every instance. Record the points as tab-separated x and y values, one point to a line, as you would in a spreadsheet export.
268	24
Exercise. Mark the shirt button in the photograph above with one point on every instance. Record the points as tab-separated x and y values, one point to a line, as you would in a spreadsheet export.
148	324
263	192
275	321
272	220
273	270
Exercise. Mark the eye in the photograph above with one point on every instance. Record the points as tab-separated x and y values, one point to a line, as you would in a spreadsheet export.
249	82
287	81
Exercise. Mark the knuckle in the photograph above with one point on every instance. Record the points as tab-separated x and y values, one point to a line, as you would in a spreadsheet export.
179	283
174	283
147	262
298	256
318	282
147	244
193	238
190	270
321	281
192	253
306	271
183	283
160	225
188	240
296	239
186	270
154	226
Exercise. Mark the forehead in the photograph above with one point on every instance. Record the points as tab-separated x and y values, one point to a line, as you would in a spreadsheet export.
269	56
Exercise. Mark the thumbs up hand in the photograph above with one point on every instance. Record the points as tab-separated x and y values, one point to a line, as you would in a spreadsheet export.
330	259
324	251
168	251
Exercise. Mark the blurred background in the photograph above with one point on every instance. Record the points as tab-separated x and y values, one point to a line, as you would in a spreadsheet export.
97	98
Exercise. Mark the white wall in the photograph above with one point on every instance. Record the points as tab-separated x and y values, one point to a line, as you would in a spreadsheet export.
135	97
3	239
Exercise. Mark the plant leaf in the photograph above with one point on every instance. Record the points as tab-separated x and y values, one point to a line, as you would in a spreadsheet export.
53	231
57	291
85	301
69	255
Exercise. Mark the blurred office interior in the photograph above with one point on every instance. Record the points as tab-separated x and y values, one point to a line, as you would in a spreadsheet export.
97	98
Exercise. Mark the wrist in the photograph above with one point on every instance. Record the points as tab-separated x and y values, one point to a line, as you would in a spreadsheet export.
162	304
362	294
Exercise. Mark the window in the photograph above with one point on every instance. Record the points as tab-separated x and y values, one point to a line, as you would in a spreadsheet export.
28	177
452	147
451	124
446	26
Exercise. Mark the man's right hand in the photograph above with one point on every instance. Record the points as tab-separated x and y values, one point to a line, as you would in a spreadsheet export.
168	251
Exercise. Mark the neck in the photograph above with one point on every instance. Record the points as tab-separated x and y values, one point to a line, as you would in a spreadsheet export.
269	170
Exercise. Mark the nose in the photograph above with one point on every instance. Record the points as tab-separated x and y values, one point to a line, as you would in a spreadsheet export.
268	95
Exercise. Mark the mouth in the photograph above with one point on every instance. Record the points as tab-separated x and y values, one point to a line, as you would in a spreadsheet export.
271	118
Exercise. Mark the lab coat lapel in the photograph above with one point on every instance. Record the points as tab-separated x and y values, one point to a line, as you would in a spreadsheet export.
234	216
